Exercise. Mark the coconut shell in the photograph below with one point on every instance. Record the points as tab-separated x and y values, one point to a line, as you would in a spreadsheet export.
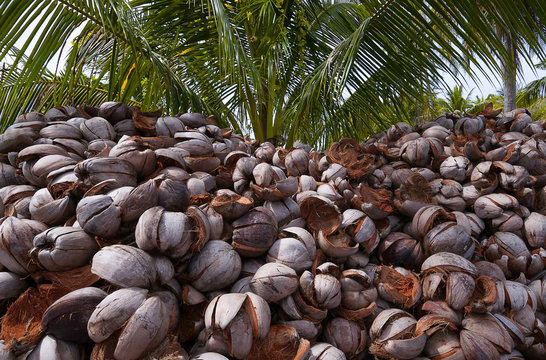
67	317
255	232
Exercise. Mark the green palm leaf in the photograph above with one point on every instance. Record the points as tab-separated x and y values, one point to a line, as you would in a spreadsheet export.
313	70
112	47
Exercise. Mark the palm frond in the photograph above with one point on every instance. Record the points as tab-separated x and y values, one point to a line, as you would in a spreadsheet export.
113	42
407	46
312	70
47	91
532	92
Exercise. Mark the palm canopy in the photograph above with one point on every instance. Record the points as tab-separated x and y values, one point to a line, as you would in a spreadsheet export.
302	69
455	100
535	90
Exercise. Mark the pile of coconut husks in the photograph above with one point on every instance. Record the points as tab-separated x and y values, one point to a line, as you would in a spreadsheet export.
127	235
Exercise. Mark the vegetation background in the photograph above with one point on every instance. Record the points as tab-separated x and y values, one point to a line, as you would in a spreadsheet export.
285	70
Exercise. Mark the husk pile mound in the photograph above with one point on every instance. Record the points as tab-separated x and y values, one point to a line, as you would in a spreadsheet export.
126	235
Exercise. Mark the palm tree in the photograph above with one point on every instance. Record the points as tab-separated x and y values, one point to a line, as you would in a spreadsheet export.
534	90
533	95
455	101
313	70
515	45
495	101
47	90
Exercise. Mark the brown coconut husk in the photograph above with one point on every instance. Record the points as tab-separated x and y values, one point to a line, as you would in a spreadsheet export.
282	153
72	279
169	349
358	314
226	132
431	323
230	206
379	198
88	111
484	295
105	349
413	194
510	150
224	177
201	199
472	150
416	188
348	153
320	216
281	343
145	121
191	322
442	309
22	324
200	229
403	289
487	111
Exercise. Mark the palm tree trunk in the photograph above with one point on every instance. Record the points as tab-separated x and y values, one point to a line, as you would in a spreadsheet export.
263	114
509	78
263	121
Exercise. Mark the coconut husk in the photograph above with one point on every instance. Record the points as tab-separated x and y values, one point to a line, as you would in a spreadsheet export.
432	323
22	324
105	350
484	295
403	289
358	314
271	193
282	153
442	309
198	200
488	112
379	198
231	206
510	150
281	343
224	177
200	228
320	215
348	153
413	194
145	121
88	111
72	279
416	188
226	132
191	321
169	349
339	244
155	142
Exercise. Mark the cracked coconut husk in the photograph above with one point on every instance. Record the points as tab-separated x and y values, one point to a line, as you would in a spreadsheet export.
72	279
403	289
145	121
484	295
320	215
348	153
380	199
281	343
22	324
417	188
488	112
